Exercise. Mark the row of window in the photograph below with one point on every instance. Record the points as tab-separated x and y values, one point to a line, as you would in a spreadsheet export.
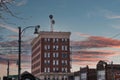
55	55
55	78
36	71
36	58
56	47
55	39
56	69
36	65
35	45
56	62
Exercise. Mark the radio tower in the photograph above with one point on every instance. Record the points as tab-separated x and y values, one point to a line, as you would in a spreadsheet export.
52	22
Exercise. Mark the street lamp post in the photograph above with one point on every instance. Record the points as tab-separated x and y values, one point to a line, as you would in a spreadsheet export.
19	46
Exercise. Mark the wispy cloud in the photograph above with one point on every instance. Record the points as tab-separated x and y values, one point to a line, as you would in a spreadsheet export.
103	13
9	28
113	16
21	3
96	42
82	34
93	49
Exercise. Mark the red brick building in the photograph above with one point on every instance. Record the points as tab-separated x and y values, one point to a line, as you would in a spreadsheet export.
51	55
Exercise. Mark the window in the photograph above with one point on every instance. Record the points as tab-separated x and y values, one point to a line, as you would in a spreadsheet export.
66	39
64	69
55	40
47	62
55	62
55	47
101	75
64	55
64	62
55	55
47	47
63	40
46	55
64	47
83	76
46	69
47	39
55	69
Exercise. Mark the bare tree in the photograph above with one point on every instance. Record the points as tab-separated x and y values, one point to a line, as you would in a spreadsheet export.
5	8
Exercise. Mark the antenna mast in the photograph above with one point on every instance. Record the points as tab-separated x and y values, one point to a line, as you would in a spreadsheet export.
52	22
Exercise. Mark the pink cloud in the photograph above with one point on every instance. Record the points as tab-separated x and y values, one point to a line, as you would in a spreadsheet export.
96	42
82	34
94	49
9	28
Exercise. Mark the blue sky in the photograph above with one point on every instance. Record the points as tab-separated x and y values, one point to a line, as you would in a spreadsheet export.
93	17
93	25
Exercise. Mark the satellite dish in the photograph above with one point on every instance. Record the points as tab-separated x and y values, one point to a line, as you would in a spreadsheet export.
50	16
53	21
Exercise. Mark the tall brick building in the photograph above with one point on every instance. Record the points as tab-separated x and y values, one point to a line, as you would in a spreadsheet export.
51	55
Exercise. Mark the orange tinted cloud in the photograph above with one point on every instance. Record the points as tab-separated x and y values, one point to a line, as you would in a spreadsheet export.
96	42
93	49
9	28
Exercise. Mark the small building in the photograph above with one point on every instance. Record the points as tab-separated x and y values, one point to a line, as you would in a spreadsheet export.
108	71
77	75
28	76
88	74
71	76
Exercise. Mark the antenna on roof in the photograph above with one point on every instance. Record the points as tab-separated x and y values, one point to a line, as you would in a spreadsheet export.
52	22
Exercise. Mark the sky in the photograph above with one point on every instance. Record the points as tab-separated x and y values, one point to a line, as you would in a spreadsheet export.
94	27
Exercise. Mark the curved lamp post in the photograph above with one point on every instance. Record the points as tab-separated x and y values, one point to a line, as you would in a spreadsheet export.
19	46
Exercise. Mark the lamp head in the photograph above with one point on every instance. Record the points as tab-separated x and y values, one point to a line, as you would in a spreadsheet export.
36	29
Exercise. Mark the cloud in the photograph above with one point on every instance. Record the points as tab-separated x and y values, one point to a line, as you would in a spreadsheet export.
21	3
103	13
9	28
13	58
82	34
88	57
93	49
113	16
96	42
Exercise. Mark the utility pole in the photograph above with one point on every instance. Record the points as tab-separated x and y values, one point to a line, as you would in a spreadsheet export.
8	68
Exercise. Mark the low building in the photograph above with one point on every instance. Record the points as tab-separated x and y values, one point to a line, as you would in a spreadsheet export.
77	75
108	71
88	74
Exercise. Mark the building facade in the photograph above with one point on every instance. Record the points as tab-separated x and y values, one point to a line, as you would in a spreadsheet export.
51	55
87	73
108	71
